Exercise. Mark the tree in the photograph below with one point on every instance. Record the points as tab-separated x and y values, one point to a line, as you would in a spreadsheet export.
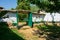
12	9
23	4
26	5
34	8
47	5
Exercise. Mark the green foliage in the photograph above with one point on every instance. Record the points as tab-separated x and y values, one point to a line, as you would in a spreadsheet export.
12	9
22	16
22	4
26	5
47	5
2	13
34	8
47	28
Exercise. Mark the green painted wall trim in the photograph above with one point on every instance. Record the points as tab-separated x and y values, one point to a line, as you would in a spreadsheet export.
30	23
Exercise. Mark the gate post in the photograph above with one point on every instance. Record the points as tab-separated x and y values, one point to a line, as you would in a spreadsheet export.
30	23
17	17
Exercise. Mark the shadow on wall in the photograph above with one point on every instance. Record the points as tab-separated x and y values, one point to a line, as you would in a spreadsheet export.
7	34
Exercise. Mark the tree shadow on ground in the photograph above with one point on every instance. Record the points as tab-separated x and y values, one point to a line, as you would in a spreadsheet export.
8	34
50	32
20	26
54	32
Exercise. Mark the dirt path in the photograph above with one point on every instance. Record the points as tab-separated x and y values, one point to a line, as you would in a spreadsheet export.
29	33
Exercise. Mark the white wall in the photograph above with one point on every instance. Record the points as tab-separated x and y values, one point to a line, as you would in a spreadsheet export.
37	18
12	18
47	17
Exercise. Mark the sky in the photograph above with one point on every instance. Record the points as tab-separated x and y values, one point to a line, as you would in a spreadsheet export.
8	4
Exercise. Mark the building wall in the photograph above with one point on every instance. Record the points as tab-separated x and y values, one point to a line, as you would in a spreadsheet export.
52	17
12	17
47	17
37	18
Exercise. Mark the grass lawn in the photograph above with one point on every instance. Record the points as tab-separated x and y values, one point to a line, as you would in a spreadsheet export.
9	34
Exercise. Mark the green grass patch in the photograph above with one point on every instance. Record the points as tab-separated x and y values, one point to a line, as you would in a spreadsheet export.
9	34
16	31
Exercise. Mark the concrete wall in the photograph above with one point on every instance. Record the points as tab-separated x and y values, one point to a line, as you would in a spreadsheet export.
47	17
52	17
12	17
37	18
